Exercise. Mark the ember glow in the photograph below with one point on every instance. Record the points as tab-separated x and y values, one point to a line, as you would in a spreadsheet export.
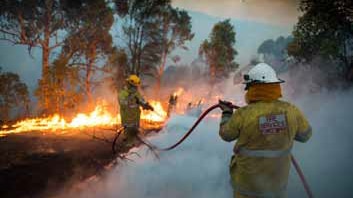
158	115
100	116
178	92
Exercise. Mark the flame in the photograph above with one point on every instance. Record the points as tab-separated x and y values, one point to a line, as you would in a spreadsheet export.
178	92
158	115
100	116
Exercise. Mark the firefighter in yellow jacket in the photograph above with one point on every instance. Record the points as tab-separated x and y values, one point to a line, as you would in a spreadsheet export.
265	130
130	101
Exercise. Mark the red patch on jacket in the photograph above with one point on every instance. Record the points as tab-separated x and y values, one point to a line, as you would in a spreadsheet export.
272	124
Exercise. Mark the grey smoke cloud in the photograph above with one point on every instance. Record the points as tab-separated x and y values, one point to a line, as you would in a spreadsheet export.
199	167
282	12
192	170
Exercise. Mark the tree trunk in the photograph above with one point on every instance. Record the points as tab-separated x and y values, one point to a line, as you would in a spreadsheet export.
45	70
87	83
164	55
4	113
45	60
91	60
160	74
348	64
139	52
212	73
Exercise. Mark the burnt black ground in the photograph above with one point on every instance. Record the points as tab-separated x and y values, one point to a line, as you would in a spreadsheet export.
38	165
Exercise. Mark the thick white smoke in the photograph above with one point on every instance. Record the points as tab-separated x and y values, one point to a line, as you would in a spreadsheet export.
327	159
199	167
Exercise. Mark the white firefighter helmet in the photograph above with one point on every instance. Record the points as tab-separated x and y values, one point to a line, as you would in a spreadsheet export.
261	73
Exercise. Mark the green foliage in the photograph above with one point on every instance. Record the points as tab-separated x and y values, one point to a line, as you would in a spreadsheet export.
325	29
219	50
35	23
65	92
13	93
174	29
89	38
26	22
79	34
116	69
152	29
274	52
89	28
141	32
277	48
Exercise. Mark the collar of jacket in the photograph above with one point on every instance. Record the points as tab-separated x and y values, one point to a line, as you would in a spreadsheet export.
263	92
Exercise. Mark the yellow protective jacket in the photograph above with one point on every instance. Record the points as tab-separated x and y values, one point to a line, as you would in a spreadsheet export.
265	131
129	102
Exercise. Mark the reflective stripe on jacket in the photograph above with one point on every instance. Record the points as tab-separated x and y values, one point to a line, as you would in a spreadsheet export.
265	132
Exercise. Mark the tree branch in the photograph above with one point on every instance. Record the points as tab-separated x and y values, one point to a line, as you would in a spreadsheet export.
6	32
57	44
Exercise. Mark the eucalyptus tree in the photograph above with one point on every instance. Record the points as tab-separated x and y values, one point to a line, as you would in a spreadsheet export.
325	30
35	23
13	93
219	50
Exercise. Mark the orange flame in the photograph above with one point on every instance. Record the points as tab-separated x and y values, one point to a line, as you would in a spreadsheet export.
100	116
178	92
158	115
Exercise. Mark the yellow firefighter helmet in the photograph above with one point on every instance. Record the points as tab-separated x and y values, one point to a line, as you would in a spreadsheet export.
133	80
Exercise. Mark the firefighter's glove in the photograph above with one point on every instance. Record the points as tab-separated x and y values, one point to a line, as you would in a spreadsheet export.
226	107
227	111
147	106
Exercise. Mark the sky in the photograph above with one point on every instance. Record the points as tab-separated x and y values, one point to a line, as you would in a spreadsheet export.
254	22
249	35
16	59
280	12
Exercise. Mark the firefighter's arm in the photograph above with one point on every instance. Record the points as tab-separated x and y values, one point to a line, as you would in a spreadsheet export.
304	130
144	104
229	126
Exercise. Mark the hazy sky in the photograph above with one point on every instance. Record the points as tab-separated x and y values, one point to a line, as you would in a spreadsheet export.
282	12
249	35
254	22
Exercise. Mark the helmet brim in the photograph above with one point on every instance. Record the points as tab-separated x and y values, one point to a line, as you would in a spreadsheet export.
258	82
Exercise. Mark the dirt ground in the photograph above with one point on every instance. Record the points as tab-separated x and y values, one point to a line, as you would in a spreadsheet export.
38	164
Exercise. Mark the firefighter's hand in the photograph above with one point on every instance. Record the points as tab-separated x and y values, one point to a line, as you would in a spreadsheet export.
148	107
226	106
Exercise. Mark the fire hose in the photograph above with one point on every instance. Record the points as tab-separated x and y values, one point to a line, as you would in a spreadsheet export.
204	114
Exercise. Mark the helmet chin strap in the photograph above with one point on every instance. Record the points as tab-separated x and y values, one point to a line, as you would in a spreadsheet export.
248	85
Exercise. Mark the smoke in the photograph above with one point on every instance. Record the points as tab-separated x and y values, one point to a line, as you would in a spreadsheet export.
199	167
278	12
326	158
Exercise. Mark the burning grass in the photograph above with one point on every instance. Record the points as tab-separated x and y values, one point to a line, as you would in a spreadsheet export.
99	117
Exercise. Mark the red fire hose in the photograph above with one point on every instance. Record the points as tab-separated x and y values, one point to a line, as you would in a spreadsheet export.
204	114
294	162
302	177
